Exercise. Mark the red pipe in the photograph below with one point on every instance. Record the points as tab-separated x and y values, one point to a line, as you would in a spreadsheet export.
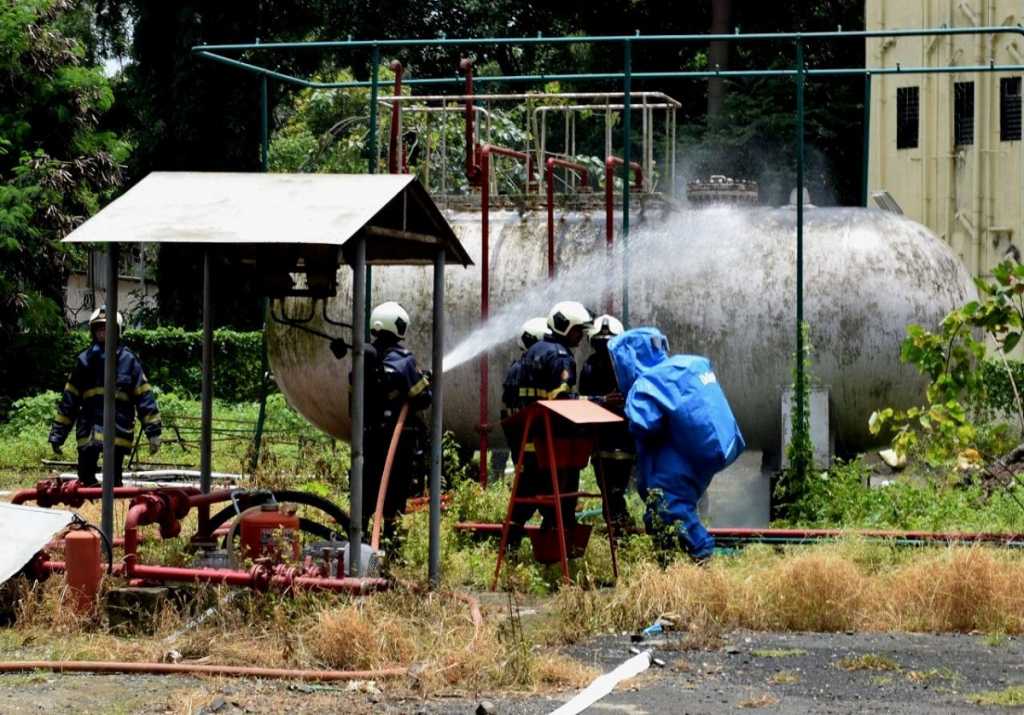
926	536
580	171
485	280
473	169
258	578
609	207
396	166
85	666
53	492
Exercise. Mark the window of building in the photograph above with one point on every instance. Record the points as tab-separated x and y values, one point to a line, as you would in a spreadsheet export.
1009	109
963	113
907	111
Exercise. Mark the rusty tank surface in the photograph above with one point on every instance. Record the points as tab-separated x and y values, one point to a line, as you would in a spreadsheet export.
718	281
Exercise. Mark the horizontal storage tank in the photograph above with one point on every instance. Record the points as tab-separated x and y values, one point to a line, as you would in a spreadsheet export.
719	282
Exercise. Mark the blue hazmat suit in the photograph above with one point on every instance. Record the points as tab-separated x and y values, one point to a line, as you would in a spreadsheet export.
685	432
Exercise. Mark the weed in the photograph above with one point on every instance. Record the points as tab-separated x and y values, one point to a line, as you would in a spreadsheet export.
868	661
1007	697
764	700
778	652
881	681
928	676
996	639
784	677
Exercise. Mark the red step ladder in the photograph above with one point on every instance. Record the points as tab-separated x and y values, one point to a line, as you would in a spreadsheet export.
581	420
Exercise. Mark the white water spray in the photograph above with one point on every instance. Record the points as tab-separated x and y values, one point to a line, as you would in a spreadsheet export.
652	250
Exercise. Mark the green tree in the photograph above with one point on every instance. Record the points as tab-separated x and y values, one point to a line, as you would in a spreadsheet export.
58	163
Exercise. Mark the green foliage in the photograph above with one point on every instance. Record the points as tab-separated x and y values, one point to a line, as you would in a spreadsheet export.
172	358
840	497
800	450
57	166
954	360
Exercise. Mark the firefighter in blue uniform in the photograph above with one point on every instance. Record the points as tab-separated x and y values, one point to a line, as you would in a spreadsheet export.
549	373
616	451
532	332
82	403
392	379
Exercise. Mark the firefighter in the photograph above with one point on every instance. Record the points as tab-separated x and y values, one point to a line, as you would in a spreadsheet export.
82	402
392	379
613	460
548	373
533	331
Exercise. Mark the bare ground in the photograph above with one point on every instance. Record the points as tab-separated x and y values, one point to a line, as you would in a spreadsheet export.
759	672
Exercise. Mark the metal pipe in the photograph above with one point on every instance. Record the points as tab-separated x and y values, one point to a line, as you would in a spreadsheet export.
235	671
610	163
206	427
473	171
579	170
815	534
46	494
261	415
866	156
373	158
359	303
617	76
110	357
247	579
728	37
396	155
664	98
437	423
485	281
800	387
627	153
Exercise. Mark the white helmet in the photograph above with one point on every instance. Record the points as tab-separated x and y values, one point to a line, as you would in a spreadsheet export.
533	331
99	317
567	315
391	318
605	327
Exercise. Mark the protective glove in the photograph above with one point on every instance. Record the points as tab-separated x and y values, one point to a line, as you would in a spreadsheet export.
57	449
154	445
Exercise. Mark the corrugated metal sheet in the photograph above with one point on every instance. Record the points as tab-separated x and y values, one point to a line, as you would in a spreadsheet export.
26	530
259	208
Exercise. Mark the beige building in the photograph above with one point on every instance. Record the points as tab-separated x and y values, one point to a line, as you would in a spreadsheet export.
948	147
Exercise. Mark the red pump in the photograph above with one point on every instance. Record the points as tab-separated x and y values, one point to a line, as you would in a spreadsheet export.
269	530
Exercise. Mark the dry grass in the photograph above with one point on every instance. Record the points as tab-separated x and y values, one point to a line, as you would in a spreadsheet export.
764	700
825	588
1008	697
784	677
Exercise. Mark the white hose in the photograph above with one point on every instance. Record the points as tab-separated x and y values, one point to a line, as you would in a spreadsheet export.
604	684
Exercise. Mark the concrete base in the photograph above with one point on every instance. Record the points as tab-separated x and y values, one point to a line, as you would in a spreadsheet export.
740	496
136	608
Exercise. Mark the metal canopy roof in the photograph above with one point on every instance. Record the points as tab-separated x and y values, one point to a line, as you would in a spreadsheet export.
395	213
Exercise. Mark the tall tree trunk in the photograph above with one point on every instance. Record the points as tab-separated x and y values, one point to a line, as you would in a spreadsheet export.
718	56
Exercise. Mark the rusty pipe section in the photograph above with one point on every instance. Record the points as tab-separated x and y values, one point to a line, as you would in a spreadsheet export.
236	671
609	209
473	159
549	174
55	492
396	147
485	280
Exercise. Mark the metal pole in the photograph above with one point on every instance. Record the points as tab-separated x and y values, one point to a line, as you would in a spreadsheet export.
355	529
372	152
264	125
437	422
206	434
867	140
627	82
109	393
261	416
801	466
